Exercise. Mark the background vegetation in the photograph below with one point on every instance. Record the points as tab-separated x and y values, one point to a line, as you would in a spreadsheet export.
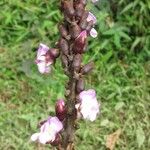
121	76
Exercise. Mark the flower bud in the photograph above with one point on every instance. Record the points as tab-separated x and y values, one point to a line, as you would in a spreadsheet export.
54	52
77	62
89	26
85	47
85	15
83	2
80	42
68	8
60	110
83	24
79	10
63	44
49	57
57	140
63	31
75	31
87	68
64	61
80	85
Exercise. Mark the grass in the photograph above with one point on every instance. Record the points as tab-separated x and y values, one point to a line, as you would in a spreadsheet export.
120	77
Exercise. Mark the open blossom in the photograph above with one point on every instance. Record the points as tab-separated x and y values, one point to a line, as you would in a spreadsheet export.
91	17
88	106
43	60
48	131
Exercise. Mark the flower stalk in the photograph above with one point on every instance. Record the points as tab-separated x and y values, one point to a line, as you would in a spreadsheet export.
72	44
74	30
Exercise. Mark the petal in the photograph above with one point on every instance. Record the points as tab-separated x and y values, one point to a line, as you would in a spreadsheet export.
56	125
46	137
91	17
89	114
93	33
42	50
92	117
91	93
77	106
41	67
85	113
41	58
89	107
87	95
44	127
49	63
94	1
47	69
35	136
52	125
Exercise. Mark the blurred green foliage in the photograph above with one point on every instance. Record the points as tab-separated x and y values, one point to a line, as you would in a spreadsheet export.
121	76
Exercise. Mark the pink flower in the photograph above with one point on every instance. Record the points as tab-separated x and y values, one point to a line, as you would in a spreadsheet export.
88	106
43	60
91	17
48	131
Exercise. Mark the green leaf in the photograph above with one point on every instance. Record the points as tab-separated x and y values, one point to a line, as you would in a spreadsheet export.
117	40
124	35
127	7
104	44
111	31
106	57
135	43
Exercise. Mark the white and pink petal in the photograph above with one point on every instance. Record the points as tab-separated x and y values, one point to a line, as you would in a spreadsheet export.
88	105
93	33
91	17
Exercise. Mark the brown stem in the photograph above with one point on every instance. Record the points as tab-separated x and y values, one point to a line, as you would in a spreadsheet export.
72	64
69	124
70	120
69	127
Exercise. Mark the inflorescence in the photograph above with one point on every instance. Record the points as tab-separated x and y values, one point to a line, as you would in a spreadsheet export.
77	25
